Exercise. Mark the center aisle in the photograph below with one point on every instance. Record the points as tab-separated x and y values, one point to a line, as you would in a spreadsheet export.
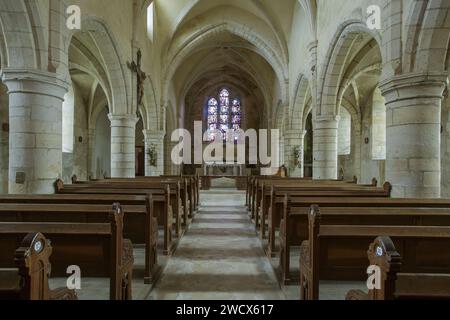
220	257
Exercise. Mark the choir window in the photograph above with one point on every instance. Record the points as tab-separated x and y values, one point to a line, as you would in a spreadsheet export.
224	114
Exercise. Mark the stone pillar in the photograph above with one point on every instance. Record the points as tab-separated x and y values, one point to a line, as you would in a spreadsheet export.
123	158
90	154
413	120
294	142
170	167
154	140
35	122
282	146
325	162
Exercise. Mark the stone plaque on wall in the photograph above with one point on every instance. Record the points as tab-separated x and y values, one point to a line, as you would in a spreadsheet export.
20	177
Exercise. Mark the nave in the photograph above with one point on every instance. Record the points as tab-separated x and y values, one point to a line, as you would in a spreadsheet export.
220	257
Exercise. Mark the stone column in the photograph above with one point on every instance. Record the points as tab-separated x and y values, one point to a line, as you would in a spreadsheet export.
123	136
282	146
35	122
325	162
170	167
294	141
154	139
413	120
90	155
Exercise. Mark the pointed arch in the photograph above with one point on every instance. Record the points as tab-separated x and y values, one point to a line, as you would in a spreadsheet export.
336	59
113	63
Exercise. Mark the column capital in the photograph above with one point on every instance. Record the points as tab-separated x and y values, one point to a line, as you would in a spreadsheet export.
154	134
123	120
414	85
327	118
34	82
294	133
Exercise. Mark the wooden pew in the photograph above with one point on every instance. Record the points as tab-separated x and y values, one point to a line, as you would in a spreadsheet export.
96	246
186	186
253	181
195	182
396	285
339	237
277	207
179	193
300	184
304	184
267	193
162	200
27	277
139	212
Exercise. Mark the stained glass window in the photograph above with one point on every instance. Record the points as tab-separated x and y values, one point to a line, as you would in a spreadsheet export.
222	115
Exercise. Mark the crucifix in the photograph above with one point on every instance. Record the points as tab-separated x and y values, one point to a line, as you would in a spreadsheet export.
141	76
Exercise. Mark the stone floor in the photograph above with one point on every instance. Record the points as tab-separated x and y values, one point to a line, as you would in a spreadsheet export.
220	257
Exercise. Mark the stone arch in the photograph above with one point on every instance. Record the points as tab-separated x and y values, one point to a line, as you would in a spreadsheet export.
310	8
428	36
150	108
301	94
185	48
113	62
335	63
244	63
96	110
356	134
3	49
25	26
272	22
280	120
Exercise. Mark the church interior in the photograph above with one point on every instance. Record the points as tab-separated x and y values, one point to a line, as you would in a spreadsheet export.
349	99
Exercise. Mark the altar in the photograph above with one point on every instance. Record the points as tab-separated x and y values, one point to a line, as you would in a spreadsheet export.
216	169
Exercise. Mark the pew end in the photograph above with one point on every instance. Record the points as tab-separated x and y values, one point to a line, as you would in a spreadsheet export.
400	286
59	185
29	280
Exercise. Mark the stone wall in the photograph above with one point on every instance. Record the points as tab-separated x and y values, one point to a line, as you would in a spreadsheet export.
101	160
4	139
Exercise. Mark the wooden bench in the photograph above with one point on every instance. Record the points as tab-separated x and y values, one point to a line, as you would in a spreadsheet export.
300	185
339	237
139	212
195	182
254	181
277	209
162	202
289	183
396	285
271	191
27	277
184	185
179	198
97	247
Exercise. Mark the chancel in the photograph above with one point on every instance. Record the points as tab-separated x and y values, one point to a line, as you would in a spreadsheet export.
344	163
223	169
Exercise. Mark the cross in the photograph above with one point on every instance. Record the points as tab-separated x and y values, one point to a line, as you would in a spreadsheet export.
141	77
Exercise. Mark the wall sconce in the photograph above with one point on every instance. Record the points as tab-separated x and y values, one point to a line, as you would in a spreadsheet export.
80	139
366	141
